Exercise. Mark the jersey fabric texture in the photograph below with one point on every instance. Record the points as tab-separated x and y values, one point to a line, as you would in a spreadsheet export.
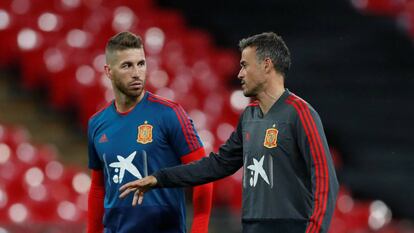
289	182
155	134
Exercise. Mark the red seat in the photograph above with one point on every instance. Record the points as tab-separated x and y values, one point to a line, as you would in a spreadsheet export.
381	7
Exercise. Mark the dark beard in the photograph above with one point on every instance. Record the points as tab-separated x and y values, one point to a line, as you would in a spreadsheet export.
124	90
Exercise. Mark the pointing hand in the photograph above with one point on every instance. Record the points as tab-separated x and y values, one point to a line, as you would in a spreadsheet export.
139	187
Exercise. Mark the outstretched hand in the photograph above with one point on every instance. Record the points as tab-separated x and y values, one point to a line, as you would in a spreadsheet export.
139	187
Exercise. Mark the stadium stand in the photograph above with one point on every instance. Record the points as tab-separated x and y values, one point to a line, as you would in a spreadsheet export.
36	188
58	46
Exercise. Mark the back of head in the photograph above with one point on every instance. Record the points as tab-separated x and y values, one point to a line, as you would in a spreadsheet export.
122	41
269	45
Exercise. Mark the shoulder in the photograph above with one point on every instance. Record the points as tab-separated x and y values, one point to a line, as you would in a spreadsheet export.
251	108
298	106
100	114
161	101
164	106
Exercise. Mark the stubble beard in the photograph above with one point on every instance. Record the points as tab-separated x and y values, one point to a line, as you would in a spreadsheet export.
251	92
123	88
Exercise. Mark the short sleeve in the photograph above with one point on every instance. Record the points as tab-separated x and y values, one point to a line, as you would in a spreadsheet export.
181	132
94	161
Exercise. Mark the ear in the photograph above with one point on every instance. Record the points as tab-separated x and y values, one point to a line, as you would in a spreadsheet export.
267	65
108	71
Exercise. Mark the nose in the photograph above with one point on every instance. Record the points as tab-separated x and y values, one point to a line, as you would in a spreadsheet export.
241	74
136	72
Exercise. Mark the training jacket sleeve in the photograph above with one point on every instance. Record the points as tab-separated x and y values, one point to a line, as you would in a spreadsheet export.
315	150
217	165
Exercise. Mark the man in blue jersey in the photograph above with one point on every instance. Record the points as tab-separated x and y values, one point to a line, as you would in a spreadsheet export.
289	181
135	135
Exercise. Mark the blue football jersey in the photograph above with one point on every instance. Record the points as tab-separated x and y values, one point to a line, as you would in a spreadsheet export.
155	134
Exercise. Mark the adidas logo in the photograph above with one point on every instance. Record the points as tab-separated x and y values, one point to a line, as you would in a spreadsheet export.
103	139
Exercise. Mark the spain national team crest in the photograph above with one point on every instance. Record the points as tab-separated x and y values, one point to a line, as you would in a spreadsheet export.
270	140
144	133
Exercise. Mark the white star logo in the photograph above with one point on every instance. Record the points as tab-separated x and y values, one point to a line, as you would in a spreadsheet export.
256	170
125	164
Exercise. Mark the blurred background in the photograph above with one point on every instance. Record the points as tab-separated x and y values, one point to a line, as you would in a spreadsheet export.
353	61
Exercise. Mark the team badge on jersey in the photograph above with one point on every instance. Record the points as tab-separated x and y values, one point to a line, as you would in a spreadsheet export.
270	140
144	133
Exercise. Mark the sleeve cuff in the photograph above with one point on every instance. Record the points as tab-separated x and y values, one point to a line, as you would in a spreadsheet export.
159	176
193	156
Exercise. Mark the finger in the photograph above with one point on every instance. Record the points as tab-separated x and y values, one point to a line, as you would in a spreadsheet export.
127	186
135	199
140	197
126	192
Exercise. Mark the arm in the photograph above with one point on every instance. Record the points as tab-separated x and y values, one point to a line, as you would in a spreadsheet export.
208	169
202	196
95	203
314	148
97	190
226	162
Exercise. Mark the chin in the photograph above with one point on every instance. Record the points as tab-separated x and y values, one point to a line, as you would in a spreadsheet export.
247	94
135	93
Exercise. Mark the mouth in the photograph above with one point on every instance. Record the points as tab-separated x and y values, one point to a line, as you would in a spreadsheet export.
243	83
136	85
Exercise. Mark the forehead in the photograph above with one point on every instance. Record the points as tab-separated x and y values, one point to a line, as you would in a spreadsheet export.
129	55
248	54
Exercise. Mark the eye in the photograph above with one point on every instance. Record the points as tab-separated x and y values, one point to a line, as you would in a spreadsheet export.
141	63
125	65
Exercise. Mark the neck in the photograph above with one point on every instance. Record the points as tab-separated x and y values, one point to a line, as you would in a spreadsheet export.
126	103
270	94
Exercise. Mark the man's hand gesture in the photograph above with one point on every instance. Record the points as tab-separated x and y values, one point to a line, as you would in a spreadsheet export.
139	187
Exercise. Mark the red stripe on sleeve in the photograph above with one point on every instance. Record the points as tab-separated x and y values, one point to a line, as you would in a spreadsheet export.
184	127
318	155
179	116
320	212
190	129
193	156
293	102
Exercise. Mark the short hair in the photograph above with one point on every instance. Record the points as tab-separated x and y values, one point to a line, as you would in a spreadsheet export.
122	41
269	45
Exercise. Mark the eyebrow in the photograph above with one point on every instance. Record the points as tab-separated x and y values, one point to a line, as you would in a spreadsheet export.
130	62
125	62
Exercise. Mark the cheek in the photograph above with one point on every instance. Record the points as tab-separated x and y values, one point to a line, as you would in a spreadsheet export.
120	77
250	75
143	73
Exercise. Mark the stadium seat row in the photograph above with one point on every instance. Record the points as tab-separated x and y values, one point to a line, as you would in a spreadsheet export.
401	10
58	46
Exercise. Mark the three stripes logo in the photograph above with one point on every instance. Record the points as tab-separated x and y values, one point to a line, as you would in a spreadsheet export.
103	138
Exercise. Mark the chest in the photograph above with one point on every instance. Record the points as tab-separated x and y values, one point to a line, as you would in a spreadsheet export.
267	135
132	147
137	133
